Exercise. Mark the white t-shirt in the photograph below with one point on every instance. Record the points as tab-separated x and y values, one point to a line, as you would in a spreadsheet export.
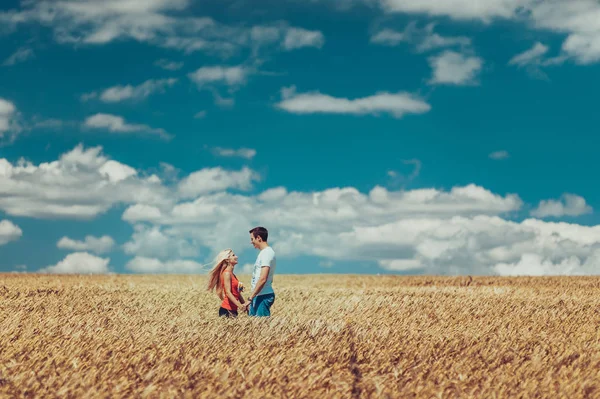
266	257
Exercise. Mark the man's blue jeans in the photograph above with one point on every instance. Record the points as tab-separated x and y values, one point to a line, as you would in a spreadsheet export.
261	305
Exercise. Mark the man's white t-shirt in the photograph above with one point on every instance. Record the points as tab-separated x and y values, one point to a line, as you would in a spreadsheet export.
266	257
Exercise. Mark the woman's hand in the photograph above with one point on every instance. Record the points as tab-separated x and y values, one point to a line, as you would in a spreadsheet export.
244	306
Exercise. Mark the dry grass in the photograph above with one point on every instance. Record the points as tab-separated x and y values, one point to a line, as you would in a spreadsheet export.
330	336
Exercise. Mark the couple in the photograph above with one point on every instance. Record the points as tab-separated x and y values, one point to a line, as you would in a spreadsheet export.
229	288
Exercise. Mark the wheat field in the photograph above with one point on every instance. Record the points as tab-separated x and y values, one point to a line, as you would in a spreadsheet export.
329	336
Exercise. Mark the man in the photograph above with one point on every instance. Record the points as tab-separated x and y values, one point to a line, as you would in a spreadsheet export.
262	295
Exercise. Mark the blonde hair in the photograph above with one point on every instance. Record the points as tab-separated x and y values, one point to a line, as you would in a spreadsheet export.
214	276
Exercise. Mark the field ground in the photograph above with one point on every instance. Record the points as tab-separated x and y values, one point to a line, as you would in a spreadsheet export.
329	337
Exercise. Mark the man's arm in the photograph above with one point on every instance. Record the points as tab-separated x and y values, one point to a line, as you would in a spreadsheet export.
264	274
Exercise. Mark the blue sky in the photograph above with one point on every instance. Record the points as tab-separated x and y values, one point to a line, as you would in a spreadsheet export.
375	136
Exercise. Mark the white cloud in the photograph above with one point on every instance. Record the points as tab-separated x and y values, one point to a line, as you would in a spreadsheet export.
121	93
247	153
144	212
296	38
568	205
150	265
84	183
324	224
168	65
532	264
154	243
435	41
396	104
454	68
21	55
424	39
498	155
7	111
98	245
9	232
91	22
231	76
388	37
200	115
578	19
117	124
79	263
9	126
532	56
216	179
460	231
484	11
164	23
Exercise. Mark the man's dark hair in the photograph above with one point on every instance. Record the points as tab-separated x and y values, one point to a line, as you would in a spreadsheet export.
260	232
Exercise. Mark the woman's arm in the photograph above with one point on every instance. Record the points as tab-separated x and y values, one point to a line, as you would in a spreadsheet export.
233	299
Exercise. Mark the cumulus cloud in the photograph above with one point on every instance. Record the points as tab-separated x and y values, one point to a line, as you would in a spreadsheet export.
452	68
246	153
457	9
296	38
79	263
117	124
9	232
142	264
396	104
423	39
21	55
228	75
465	229
168	65
98	245
578	19
84	183
128	92
211	180
154	243
9	126
499	155
388	37
568	205
458	231
163	23
329	224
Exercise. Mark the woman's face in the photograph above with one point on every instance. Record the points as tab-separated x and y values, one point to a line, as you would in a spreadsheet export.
233	259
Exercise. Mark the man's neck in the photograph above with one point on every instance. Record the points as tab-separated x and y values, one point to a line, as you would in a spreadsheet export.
262	245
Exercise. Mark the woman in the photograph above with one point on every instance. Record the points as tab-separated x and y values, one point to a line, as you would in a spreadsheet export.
227	285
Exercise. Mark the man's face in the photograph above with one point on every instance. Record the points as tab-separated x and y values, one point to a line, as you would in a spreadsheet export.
254	240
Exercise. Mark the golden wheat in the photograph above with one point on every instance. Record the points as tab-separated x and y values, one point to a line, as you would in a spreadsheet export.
329	336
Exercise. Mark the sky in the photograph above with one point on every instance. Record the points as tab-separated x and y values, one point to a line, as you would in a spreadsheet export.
369	136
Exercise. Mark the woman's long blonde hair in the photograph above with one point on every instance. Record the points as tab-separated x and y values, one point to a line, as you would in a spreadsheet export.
214	276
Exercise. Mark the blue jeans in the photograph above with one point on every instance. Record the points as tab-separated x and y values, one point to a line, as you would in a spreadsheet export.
261	305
